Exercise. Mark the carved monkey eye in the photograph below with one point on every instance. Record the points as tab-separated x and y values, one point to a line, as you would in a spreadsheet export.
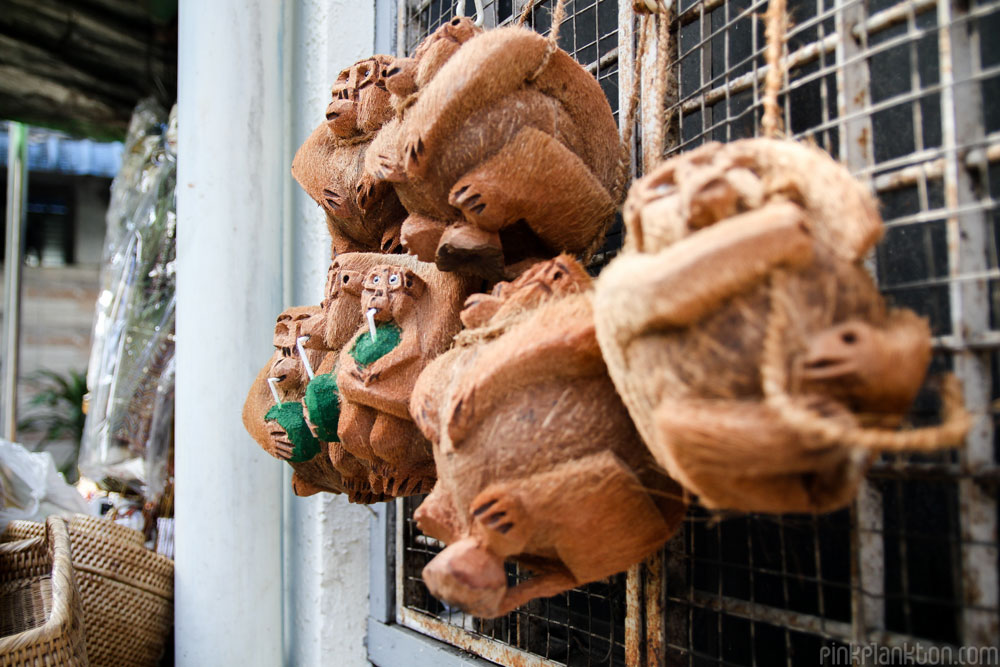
347	279
376	280
394	279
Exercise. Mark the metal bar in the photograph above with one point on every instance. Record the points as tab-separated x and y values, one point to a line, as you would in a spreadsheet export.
633	616
17	195
626	63
391	645
653	581
814	50
962	122
382	589
498	652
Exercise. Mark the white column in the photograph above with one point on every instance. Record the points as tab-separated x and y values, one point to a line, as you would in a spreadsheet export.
326	550
232	200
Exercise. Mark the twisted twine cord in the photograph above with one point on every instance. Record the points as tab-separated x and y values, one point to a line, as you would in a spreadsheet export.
628	124
826	431
558	14
776	34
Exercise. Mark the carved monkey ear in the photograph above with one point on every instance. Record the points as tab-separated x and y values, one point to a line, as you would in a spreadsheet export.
349	281
413	284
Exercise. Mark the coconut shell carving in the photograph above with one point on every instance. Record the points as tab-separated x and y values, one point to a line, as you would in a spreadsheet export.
281	429
505	152
753	351
408	314
537	458
361	214
310	410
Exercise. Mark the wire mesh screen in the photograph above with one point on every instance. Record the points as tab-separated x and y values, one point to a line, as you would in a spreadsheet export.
584	626
896	91
904	94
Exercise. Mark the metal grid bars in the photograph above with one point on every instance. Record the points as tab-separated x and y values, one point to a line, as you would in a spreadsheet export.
904	94
582	627
896	91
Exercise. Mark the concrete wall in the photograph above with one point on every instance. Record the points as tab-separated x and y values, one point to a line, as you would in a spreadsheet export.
326	553
262	577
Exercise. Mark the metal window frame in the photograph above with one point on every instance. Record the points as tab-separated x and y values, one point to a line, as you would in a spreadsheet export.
400	636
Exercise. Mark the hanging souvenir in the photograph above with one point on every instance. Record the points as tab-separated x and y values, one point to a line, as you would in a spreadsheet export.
752	348
361	214
273	412
537	458
408	314
505	151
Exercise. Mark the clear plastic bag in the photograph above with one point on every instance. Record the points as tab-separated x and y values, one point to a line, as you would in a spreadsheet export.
133	341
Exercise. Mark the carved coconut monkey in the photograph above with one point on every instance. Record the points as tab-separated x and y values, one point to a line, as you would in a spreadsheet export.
361	214
280	427
411	310
753	350
505	151
537	458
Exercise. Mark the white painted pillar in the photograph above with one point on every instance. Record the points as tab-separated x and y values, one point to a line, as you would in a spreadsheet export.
254	80
326	550
232	200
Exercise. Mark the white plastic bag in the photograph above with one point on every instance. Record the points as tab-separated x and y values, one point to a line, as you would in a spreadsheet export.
31	488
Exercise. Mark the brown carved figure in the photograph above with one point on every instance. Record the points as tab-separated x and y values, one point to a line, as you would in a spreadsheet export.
537	458
329	327
410	314
289	442
361	214
505	152
753	350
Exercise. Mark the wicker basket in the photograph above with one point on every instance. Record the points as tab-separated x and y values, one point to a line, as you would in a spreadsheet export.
41	620
126	590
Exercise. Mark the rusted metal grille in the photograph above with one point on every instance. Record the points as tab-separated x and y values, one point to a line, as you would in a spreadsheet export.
896	91
906	95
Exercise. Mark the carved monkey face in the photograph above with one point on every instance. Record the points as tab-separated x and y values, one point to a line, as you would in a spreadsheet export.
360	98
391	291
408	74
553	278
291	325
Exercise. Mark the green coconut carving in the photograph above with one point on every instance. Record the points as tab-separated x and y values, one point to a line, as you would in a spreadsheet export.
367	351
323	401
289	416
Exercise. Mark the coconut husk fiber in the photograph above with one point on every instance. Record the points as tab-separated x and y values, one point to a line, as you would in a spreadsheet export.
504	152
361	214
537	458
754	352
415	313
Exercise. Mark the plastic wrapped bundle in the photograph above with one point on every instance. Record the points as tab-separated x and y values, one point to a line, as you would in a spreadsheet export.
133	341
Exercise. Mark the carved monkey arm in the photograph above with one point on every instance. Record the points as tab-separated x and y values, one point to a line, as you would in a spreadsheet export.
526	352
501	64
739	455
388	382
684	282
745	437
